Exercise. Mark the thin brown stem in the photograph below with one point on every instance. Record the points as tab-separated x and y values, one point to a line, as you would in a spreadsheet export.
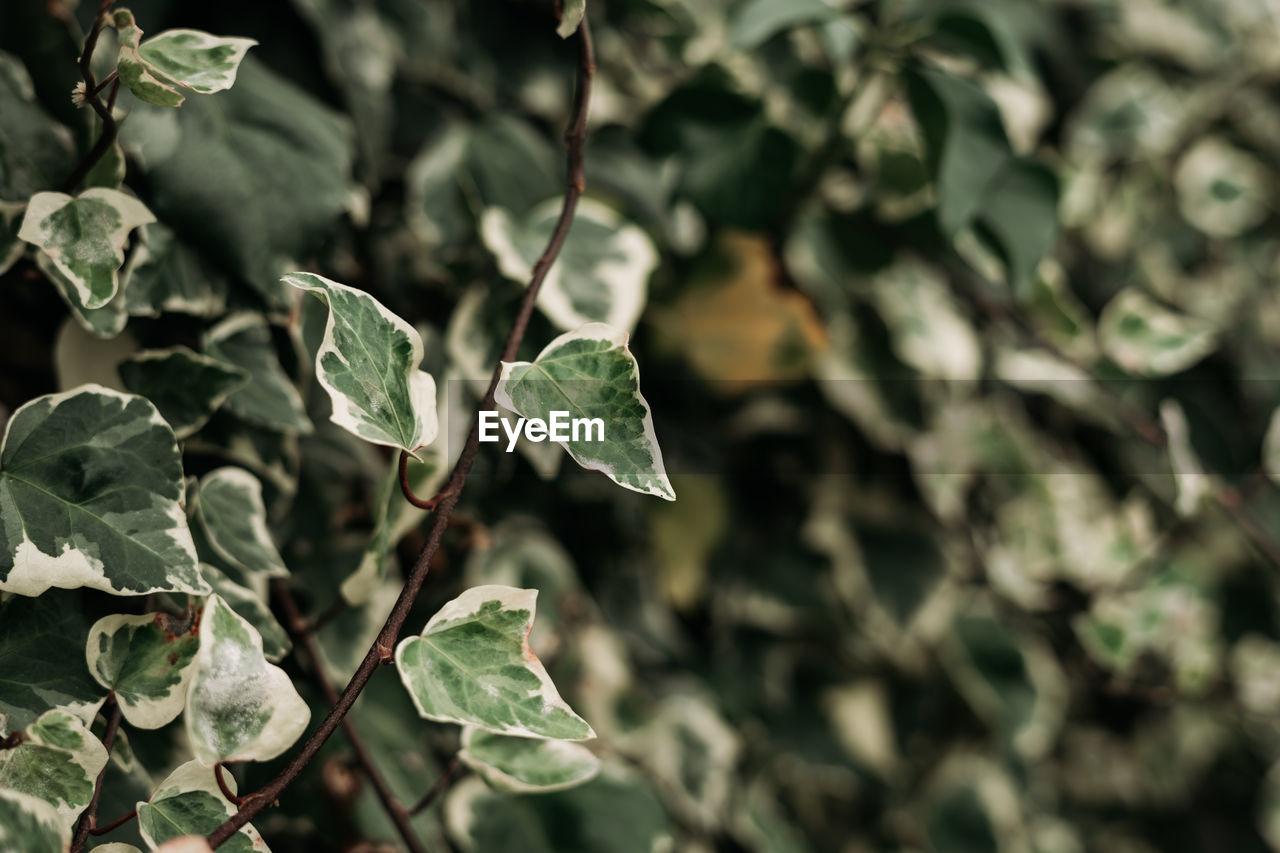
89	819
407	490
438	788
91	91
115	824
382	649
232	796
394	809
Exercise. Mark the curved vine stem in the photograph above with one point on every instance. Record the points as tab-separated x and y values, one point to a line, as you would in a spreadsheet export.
381	651
89	820
92	89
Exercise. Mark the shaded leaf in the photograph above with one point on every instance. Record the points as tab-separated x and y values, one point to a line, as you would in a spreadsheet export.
186	387
270	399
165	274
756	21
42	666
36	153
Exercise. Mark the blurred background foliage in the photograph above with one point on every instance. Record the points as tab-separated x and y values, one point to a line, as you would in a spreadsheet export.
960	339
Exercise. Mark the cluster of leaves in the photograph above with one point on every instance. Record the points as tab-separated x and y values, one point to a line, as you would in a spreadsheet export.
956	318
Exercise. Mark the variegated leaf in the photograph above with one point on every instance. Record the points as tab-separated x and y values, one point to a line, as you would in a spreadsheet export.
239	707
591	374
233	520
270	399
91	495
57	761
1145	338
601	275
368	362
146	660
194	60
185	386
189	802
84	237
525	765
31	825
252	607
472	665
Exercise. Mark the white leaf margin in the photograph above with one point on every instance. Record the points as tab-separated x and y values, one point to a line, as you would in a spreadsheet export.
256	508
617	339
466	606
151	713
189	777
348	415
41	811
500	780
90	757
133	214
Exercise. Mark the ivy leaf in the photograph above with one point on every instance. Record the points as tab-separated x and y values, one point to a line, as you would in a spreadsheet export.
571	14
84	237
189	802
91	495
368	362
36	152
190	59
105	322
164	274
233	519
58	762
756	21
524	765
472	665
239	707
11	247
601	275
186	387
42	643
146	660
590	373
251	607
1145	338
31	825
270	399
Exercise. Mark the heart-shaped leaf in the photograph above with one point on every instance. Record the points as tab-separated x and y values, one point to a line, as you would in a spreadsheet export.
146	660
239	707
472	664
189	802
194	60
590	374
57	761
91	495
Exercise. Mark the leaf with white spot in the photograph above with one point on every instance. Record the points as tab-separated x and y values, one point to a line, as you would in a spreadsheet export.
602	272
185	386
252	607
239	707
590	374
368	362
57	761
1145	338
270	399
193	60
472	665
525	765
84	237
189	802
31	825
91	494
233	519
146	660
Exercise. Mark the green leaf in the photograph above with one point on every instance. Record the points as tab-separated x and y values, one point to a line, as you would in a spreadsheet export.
524	765
756	21
189	802
472	665
91	495
1020	212
42	642
251	607
146	660
164	274
571	14
239	707
11	247
84	237
252	178
616	812
105	322
1144	337
31	825
591	374
368	362
602	272
57	761
190	59
36	153
186	387
233	519
270	399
